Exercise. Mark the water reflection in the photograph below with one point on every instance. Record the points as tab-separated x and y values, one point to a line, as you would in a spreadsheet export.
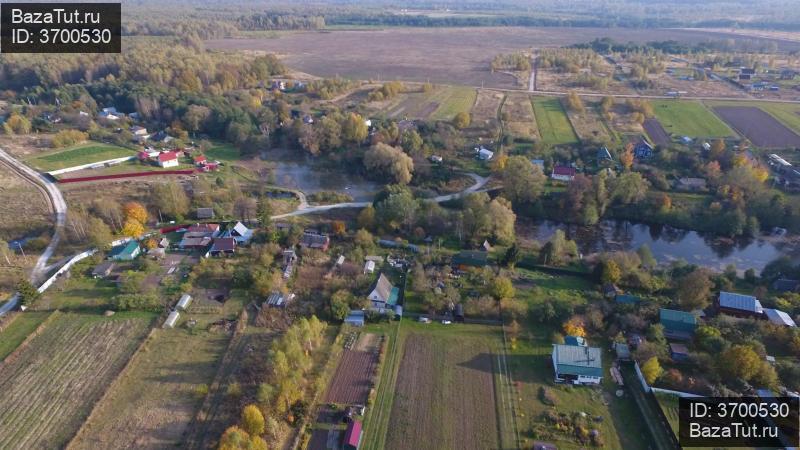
667	243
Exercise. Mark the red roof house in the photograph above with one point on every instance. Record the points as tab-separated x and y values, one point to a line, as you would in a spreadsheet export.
200	159
352	437
168	159
563	173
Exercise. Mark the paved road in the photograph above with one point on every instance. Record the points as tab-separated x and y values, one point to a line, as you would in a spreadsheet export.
303	209
57	205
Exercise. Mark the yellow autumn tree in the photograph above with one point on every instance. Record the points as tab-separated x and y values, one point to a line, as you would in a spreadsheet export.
574	327
132	228
252	420
135	211
651	370
626	158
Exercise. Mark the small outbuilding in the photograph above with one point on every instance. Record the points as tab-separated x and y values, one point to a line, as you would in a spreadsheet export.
369	267
103	269
184	302
470	258
355	318
678	352
678	324
172	319
279	299
125	252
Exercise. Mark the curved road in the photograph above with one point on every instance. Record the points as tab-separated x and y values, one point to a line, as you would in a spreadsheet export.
480	182
58	207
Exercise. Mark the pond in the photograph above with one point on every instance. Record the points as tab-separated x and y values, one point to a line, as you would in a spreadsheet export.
304	177
667	243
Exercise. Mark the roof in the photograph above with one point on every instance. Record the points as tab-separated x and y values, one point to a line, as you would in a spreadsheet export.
124	250
740	302
622	349
383	288
314	240
369	265
279	299
167	156
603	153
184	301
203	228
564	171
475	258
779	317
692	182
240	229
677	320
195	242
103	268
574	360
352	437
678	348
199	159
538	162
575	340
225	244
171	319
627	299
785	285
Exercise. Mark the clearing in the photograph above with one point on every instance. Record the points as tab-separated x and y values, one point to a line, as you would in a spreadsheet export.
762	129
517	113
688	118
50	384
77	155
156	398
441	389
554	125
486	109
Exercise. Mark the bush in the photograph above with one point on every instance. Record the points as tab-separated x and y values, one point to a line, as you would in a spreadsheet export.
547	396
66	138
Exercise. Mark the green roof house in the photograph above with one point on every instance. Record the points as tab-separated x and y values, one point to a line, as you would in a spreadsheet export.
678	324
383	295
577	364
125	252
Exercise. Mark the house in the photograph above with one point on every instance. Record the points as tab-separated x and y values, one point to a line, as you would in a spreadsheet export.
604	155
691	184
168	159
157	253
195	243
779	317
483	154
103	269
383	294
575	340
739	305
747	71
563	173
470	258
223	246
279	299
315	240
352	436
137	130
678	352
161	136
643	150
623	351
355	318
172	319
610	290
125	252
110	113
786	285
199	160
206	229
184	302
577	365
678	325
240	233
369	267
627	299
204	213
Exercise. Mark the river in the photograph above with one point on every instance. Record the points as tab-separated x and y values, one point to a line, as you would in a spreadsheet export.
667	243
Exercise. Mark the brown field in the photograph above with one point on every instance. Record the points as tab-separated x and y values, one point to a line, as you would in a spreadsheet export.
353	378
443	55
519	111
486	108
50	385
444	395
31	211
156	399
589	125
759	127
656	132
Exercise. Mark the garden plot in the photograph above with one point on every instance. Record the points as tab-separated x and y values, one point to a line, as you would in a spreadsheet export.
759	127
354	376
518	116
50	384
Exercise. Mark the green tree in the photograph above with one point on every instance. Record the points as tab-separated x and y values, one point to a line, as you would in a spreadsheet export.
646	255
694	289
354	129
739	361
503	219
340	304
366	218
502	288
99	234
411	141
462	120
629	188
252	420
364	239
27	292
383	159
523	181
611	272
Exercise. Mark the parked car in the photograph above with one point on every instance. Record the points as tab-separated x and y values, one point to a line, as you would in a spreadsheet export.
446	322
424	319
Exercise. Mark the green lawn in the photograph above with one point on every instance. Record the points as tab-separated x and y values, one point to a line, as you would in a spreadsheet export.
80	294
689	118
223	152
19	329
86	153
553	123
456	100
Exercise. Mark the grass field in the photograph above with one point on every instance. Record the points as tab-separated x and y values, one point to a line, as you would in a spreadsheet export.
553	123
689	118
529	364
80	154
80	294
19	329
223	152
457	99
437	390
151	406
51	385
